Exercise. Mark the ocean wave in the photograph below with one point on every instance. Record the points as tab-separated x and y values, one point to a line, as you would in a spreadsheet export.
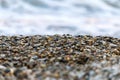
27	17
60	6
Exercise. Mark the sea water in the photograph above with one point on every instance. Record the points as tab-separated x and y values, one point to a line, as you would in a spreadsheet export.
49	17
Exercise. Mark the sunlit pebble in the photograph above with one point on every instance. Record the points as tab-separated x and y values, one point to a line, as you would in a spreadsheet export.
2	67
9	72
43	65
56	75
52	59
2	55
115	51
67	57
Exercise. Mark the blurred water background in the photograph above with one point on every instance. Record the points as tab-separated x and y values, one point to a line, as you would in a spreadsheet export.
48	17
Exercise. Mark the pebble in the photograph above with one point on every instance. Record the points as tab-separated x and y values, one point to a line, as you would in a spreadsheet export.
2	67
59	57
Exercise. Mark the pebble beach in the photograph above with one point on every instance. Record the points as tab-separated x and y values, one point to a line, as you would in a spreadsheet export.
59	57
59	40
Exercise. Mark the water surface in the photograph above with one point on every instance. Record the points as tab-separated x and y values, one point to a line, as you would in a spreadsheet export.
29	17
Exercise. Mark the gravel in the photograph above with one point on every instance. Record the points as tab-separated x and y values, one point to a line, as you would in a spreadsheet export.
59	57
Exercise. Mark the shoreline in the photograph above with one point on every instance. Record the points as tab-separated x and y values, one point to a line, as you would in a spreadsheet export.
59	57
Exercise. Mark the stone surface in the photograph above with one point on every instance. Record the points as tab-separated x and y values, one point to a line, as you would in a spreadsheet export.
59	57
